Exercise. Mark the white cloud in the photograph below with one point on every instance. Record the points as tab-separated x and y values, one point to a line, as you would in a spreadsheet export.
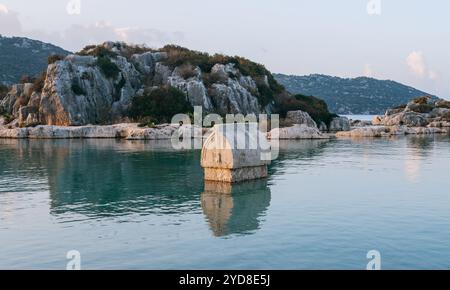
416	63
418	66
3	9
9	22
77	36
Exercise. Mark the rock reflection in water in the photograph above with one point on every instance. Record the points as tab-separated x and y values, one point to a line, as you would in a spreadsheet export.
235	209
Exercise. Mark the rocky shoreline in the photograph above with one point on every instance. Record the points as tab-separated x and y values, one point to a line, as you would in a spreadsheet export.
418	117
128	131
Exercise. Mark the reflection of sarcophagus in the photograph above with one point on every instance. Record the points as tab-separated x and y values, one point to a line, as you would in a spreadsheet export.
235	209
235	152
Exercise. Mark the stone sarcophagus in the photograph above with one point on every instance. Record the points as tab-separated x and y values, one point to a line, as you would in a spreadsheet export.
235	152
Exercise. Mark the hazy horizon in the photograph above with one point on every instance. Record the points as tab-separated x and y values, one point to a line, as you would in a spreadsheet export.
405	41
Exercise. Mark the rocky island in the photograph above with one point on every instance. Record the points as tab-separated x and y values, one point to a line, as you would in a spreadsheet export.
115	90
422	115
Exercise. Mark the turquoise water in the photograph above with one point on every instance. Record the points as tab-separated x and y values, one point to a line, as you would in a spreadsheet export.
140	205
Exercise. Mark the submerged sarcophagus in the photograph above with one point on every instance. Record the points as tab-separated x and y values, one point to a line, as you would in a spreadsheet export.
235	152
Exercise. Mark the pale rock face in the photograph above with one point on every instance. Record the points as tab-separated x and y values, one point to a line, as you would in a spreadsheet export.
408	118
323	127
18	96
360	123
102	99
339	124
377	120
129	131
162	74
300	117
387	131
296	132
439	112
234	98
193	88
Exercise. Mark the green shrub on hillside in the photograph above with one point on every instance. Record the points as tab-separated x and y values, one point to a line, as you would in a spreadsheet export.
421	100
3	91
97	51
187	71
316	108
37	81
77	89
178	56
160	104
54	58
109	69
444	104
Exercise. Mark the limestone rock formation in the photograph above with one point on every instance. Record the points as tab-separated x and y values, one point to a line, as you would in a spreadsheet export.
299	118
296	132
339	124
419	116
97	86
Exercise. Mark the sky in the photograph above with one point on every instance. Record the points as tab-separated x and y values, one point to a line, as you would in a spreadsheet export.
403	40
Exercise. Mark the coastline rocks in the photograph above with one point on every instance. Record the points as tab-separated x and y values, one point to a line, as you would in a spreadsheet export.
360	123
339	124
129	131
388	131
300	118
376	120
296	132
411	119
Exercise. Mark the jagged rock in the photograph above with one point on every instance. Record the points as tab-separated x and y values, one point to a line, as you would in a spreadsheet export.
439	124
377	120
234	98
323	127
300	117
375	131
407	118
193	88
360	123
439	112
18	96
441	103
162	74
387	131
296	132
339	124
28	116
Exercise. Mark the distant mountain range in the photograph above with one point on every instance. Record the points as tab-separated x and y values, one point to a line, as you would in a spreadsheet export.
360	95
22	56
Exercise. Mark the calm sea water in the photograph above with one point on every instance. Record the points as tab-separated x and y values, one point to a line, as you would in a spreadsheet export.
360	117
139	205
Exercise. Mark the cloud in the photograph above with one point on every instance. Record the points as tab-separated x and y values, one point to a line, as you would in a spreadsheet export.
368	71
416	63
3	9
9	22
76	37
418	66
